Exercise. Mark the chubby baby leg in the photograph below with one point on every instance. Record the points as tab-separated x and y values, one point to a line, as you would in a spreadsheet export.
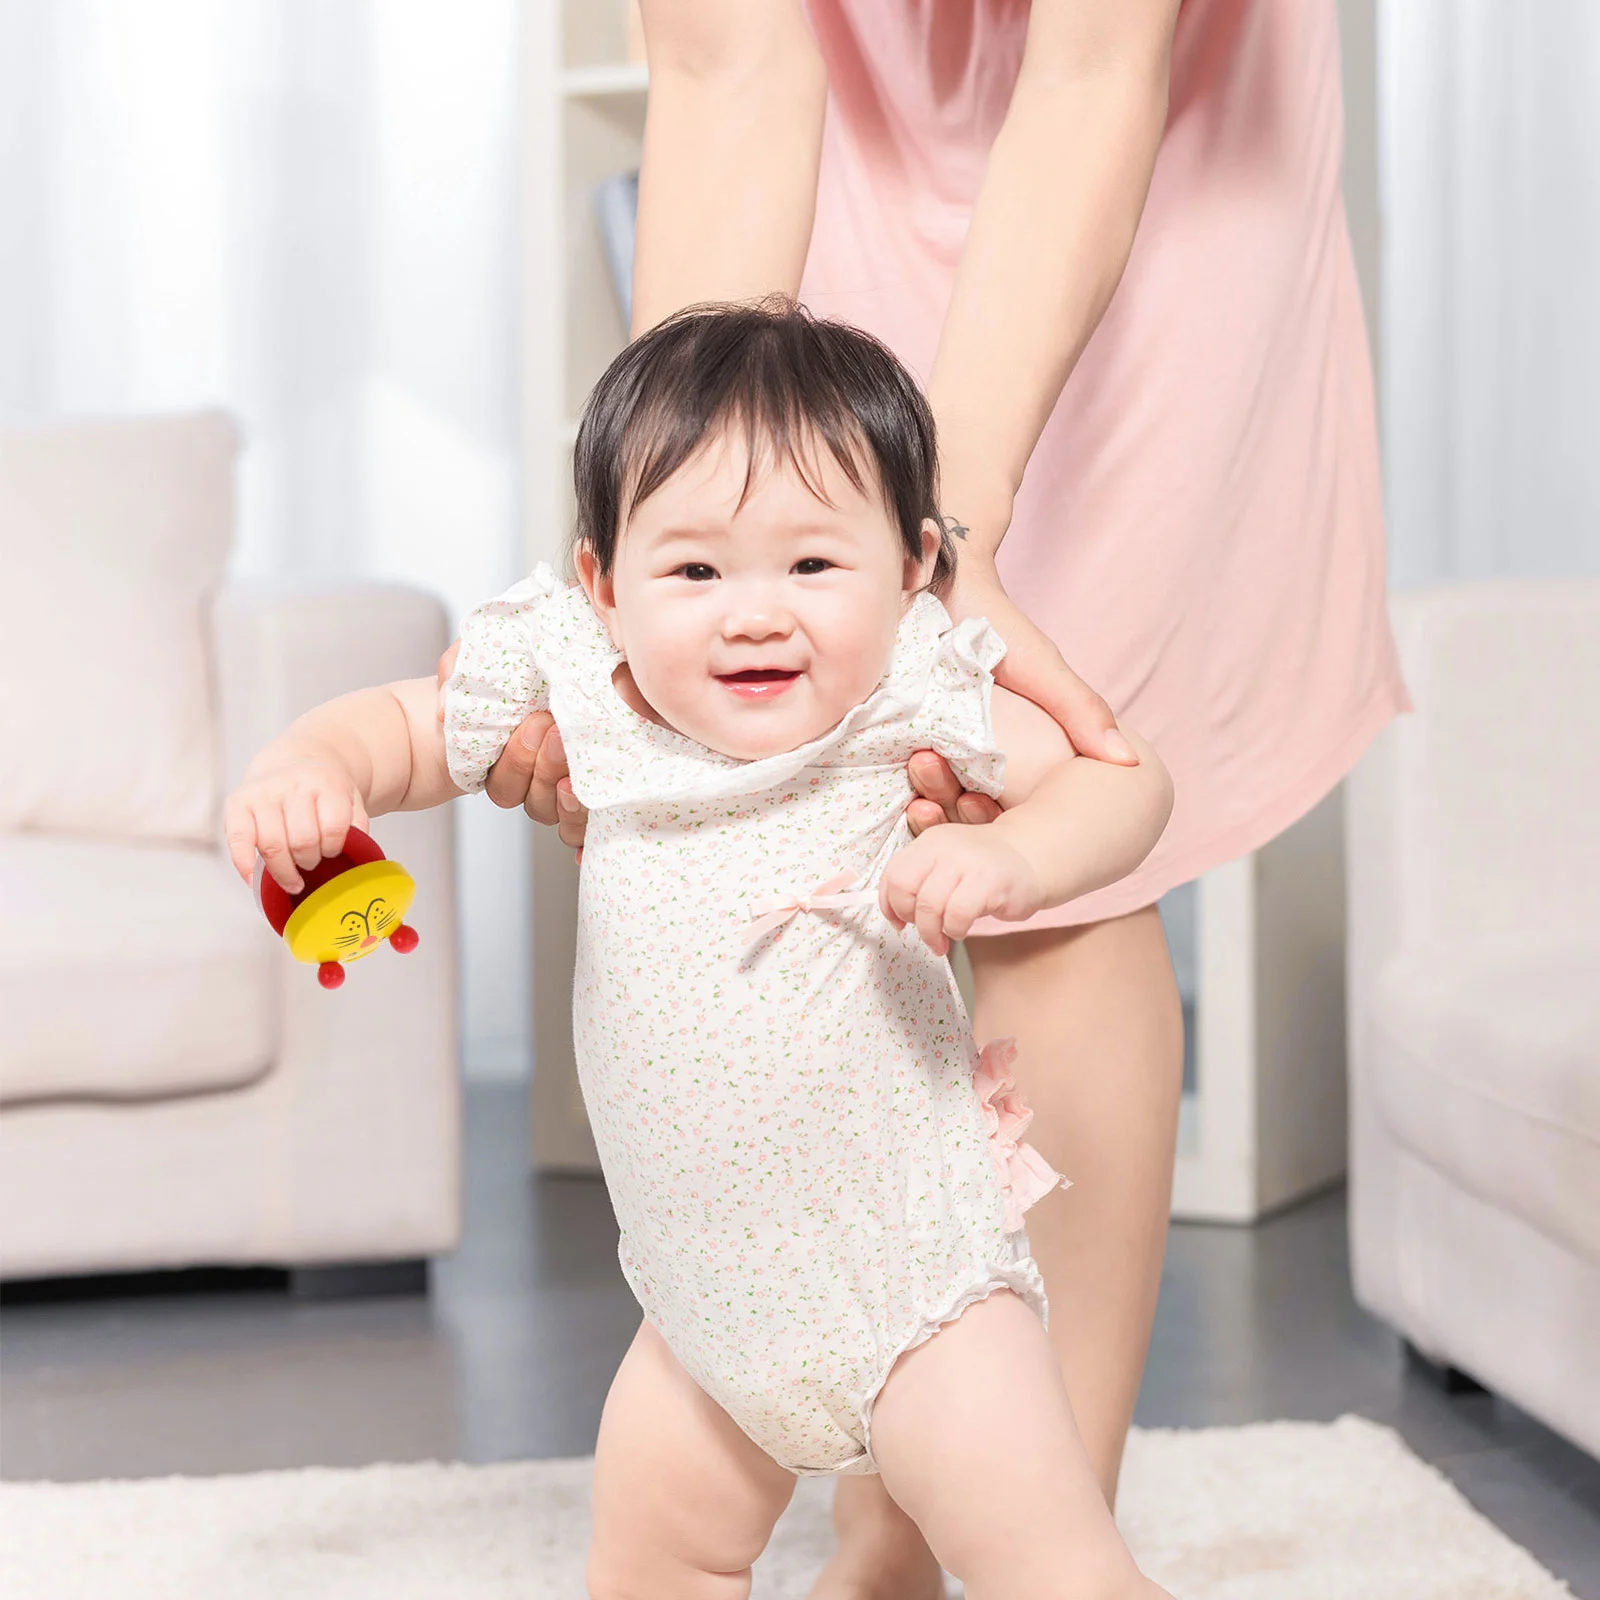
974	1436
684	1501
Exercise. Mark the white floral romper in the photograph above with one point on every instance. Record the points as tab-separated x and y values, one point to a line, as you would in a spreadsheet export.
812	1166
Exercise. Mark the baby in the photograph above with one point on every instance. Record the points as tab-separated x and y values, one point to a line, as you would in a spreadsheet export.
819	1179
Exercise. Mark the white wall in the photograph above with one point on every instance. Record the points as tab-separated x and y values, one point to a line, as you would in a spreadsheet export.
1358	49
1490	181
305	211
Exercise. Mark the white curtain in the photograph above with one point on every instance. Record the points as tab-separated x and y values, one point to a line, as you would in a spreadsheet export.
1489	141
305	211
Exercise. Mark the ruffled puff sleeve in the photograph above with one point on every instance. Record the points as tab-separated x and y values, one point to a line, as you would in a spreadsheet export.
955	718
498	680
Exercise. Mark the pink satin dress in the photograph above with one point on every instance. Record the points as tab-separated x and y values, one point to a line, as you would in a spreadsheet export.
1200	528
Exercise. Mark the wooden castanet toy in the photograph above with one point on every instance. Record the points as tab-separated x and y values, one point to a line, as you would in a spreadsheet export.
351	903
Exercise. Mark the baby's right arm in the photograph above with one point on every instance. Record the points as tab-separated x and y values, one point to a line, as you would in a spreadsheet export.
340	764
1068	826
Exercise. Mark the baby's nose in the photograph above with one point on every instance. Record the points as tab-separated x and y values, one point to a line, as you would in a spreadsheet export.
756	617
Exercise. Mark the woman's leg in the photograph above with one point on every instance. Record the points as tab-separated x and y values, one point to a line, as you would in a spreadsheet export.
684	1500
1096	1016
1022	1517
1099	1030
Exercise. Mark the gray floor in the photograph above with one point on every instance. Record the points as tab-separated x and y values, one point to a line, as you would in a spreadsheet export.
510	1357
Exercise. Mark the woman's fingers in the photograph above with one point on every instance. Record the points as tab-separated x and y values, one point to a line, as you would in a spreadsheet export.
933	779
976	808
572	820
940	797
550	780
1043	677
924	814
1033	667
517	779
532	773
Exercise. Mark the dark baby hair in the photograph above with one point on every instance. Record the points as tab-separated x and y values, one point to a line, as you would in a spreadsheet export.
781	378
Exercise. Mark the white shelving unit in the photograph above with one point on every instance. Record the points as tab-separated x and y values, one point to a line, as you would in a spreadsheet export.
1267	1121
619	80
583	120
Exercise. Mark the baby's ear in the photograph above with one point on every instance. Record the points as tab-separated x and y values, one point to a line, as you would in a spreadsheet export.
601	590
919	571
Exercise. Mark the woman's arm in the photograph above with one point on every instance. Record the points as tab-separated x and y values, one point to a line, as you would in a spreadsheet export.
727	196
732	144
1049	238
727	193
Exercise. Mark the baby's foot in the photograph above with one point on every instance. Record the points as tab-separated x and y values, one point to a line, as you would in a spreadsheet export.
865	1575
881	1554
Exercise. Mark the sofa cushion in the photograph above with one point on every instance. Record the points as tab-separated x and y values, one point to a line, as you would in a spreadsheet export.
112	537
129	971
1486	1064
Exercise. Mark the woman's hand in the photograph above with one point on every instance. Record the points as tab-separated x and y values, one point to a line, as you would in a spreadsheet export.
531	771
940	797
1033	666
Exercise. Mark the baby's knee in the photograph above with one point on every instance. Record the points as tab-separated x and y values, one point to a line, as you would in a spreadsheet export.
985	1564
628	1573
612	1574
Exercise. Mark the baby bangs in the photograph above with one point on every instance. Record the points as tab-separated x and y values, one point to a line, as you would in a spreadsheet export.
785	381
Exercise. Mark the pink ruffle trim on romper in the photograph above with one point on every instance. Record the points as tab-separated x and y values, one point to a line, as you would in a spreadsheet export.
1025	1175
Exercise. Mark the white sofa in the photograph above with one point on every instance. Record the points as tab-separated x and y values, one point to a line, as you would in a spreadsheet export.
174	1089
1474	994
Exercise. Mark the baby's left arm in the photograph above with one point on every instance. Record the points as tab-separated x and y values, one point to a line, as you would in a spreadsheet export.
1068	826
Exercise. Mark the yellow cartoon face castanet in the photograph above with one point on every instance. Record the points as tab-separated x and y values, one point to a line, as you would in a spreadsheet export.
352	915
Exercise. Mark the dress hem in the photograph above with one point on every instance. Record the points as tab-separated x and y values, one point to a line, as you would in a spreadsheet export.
1105	905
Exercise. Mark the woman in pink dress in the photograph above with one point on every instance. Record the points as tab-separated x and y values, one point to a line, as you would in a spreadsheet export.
1172	434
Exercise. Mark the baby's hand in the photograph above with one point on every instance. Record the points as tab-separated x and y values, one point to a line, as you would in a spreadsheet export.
293	816
949	877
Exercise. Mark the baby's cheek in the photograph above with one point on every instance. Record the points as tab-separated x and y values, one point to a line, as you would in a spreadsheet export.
849	687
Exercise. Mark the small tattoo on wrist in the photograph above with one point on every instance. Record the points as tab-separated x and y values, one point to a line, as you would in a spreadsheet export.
956	530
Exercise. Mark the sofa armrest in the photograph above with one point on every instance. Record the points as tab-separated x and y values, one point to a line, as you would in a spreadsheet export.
280	651
1473	815
369	1153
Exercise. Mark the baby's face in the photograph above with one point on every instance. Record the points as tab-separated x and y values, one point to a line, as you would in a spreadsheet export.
754	628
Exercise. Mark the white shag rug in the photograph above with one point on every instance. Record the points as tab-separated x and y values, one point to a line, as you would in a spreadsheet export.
1286	1510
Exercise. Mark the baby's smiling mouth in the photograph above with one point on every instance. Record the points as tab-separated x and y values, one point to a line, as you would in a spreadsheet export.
758	683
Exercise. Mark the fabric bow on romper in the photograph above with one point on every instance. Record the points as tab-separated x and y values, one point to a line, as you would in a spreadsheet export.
813	1166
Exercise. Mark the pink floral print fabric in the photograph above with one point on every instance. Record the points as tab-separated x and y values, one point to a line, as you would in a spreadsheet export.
812	1166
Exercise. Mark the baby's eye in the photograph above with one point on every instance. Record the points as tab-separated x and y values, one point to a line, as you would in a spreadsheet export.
811	565
696	572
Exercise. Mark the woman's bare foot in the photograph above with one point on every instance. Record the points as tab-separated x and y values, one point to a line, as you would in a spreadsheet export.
881	1555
